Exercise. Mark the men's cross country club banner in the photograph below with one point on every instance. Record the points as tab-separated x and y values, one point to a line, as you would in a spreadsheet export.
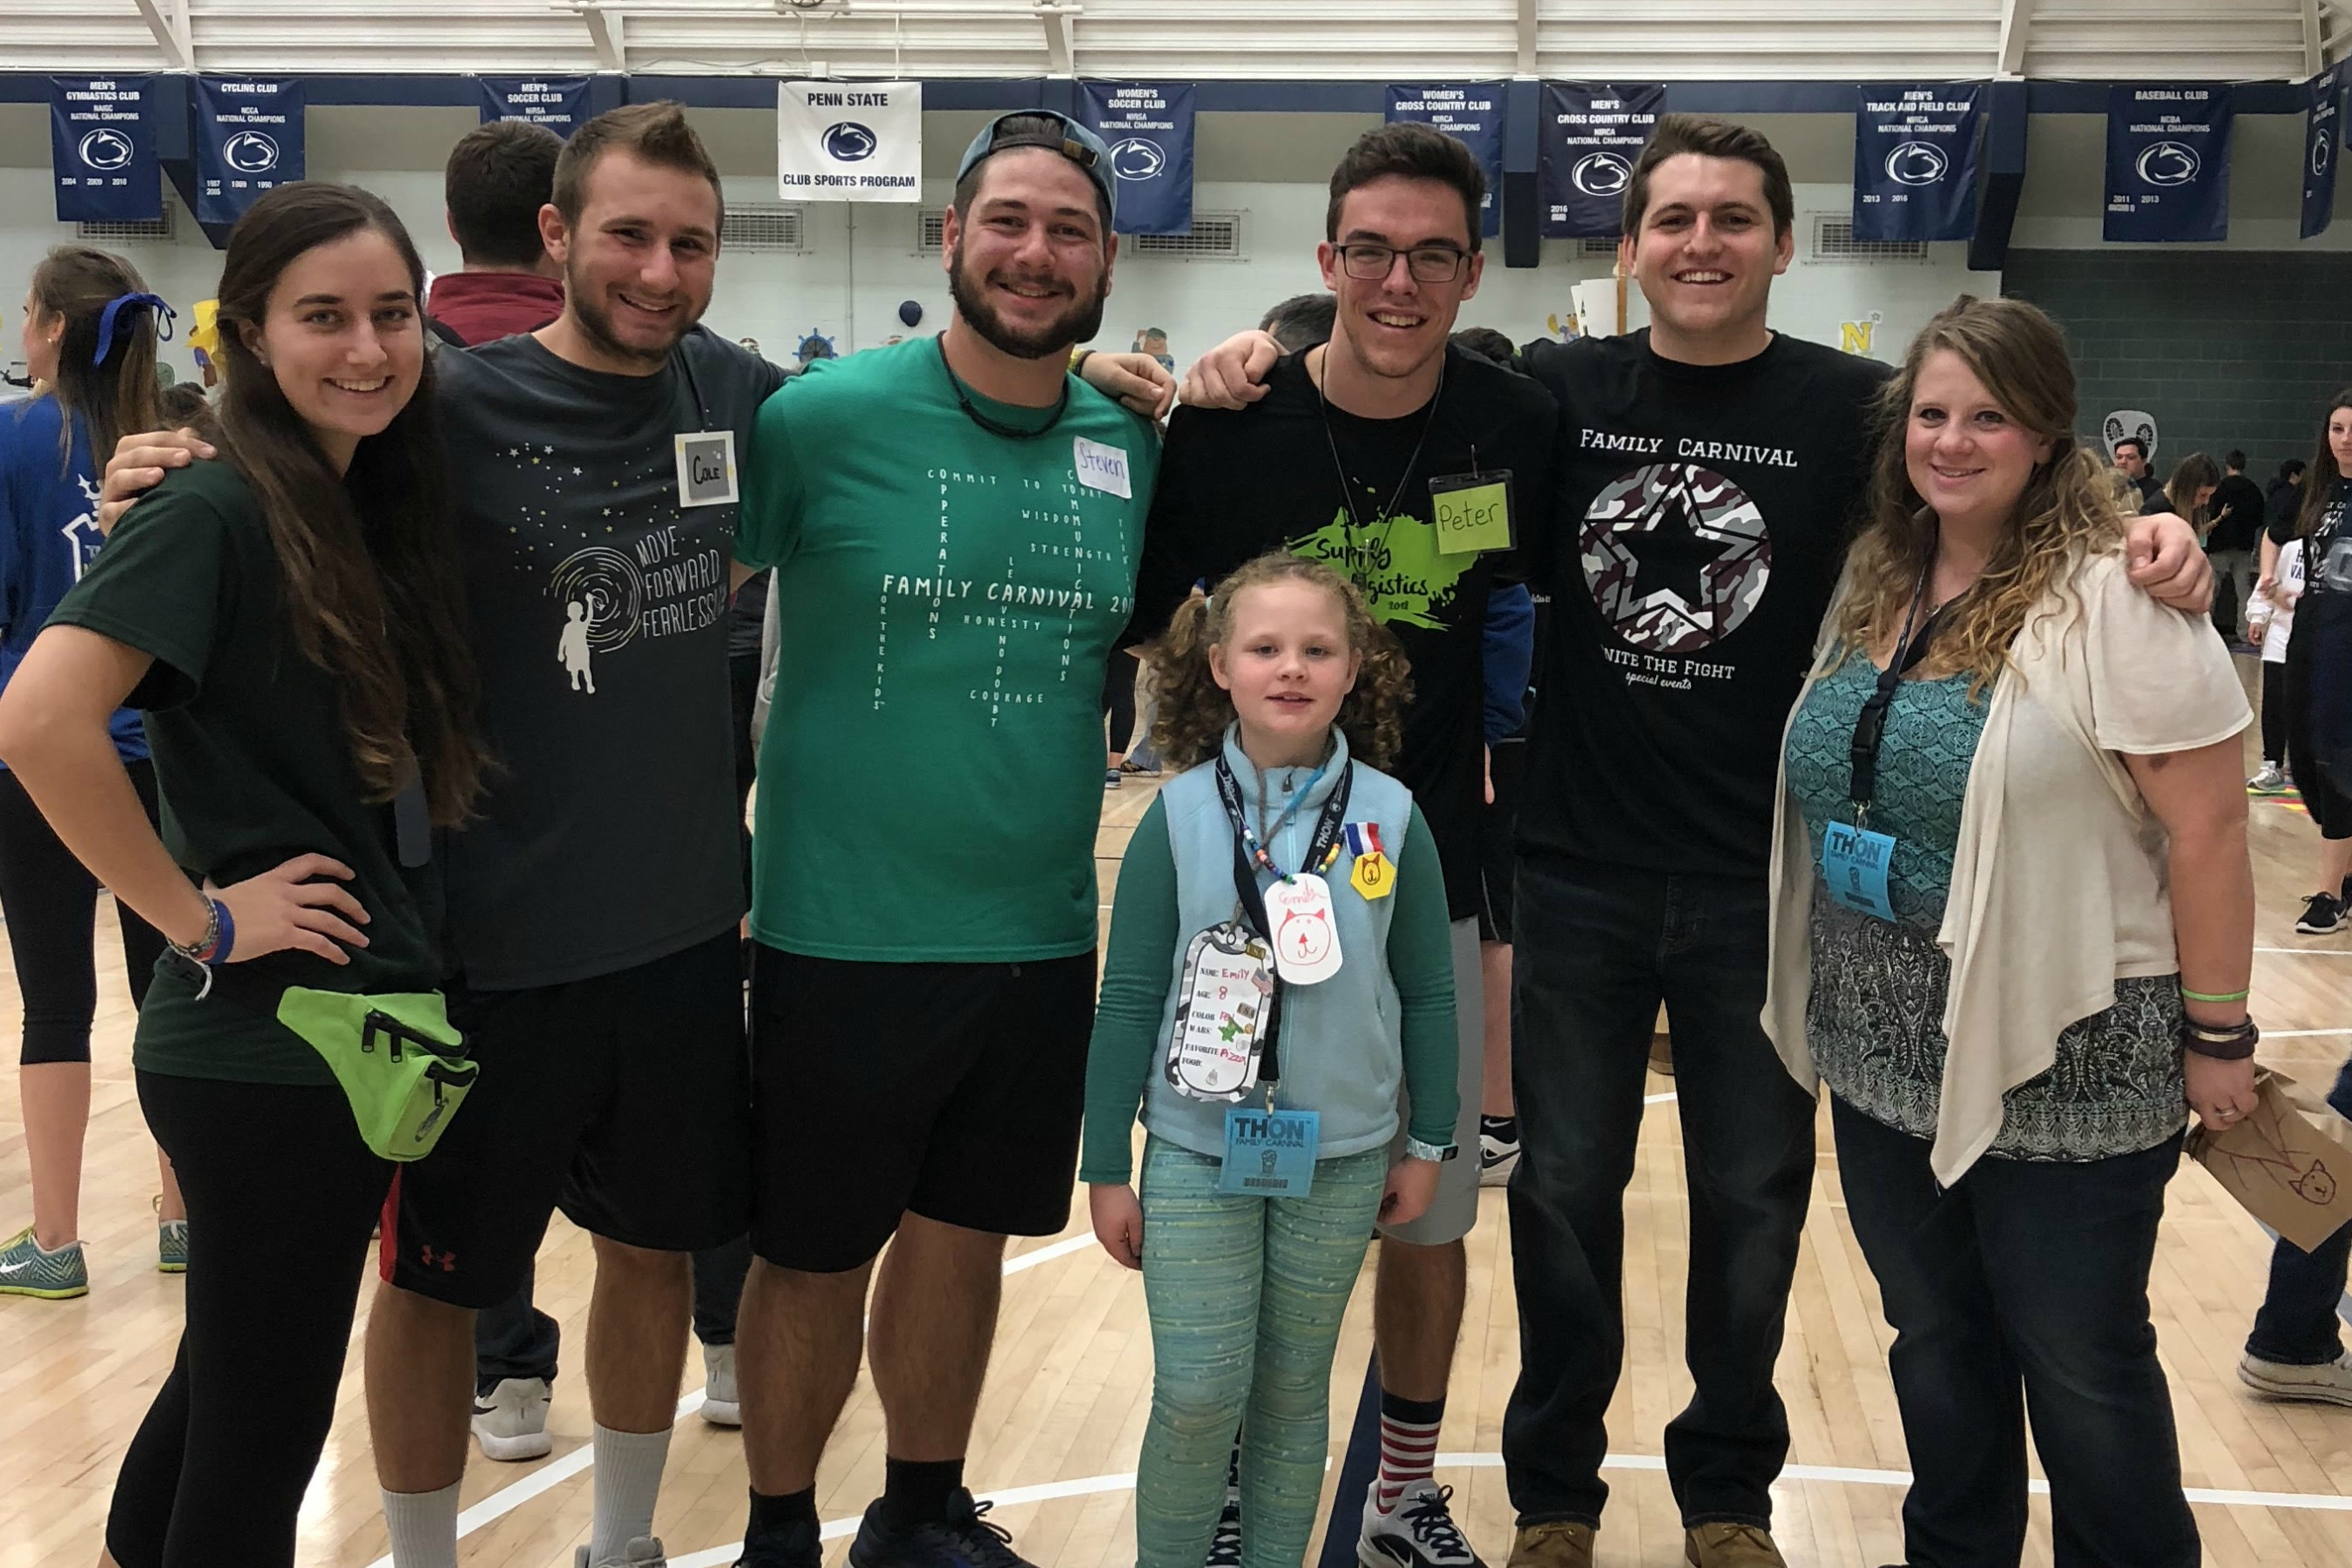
1472	113
849	141
1147	126
559	103
2321	136
102	149
1587	141
248	141
2168	164
1914	162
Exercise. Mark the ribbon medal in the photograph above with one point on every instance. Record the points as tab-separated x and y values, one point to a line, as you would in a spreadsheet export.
1374	877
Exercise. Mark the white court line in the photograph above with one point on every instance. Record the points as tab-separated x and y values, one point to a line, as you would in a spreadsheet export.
2300	1034
1657	1098
2310	952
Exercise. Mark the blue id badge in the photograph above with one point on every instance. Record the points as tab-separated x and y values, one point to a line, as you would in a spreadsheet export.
1269	1153
1854	867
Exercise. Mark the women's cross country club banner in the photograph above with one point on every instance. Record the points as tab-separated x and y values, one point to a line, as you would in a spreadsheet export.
1147	126
102	149
248	141
2168	164
849	142
1472	113
1914	162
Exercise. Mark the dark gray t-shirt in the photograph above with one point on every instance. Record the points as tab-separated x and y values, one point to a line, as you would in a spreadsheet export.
608	838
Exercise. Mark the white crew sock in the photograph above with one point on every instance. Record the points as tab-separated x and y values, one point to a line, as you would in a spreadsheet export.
628	1479
424	1528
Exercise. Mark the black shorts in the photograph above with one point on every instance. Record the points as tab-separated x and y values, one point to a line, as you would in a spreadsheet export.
1497	858
624	1100
2330	809
949	1091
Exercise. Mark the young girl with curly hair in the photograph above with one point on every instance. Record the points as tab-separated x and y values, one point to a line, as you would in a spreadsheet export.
1279	959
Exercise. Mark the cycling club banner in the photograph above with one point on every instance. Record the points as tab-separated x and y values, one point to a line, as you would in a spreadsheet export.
248	141
2169	164
1589	136
1472	113
102	149
1148	128
559	103
2320	144
849	141
1914	162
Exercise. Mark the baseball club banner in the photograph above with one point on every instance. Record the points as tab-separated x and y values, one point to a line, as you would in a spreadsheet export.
248	141
1148	128
2319	146
2168	165
1914	162
849	141
1472	113
1586	144
102	149
559	103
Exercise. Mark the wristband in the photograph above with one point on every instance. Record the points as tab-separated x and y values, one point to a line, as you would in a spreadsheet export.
2187	994
225	939
1436	1154
1079	363
2234	1044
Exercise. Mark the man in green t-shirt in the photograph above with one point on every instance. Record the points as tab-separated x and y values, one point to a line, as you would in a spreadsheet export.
955	524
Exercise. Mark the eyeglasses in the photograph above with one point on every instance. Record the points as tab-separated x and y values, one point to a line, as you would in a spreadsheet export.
1427	263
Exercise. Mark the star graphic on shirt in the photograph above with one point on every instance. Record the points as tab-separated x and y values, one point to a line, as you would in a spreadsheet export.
1673	555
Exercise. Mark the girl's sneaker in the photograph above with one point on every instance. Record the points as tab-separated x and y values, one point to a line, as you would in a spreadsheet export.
2322	914
25	1269
172	1247
2270	781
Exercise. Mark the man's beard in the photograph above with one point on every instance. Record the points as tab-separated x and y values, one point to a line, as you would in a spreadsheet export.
596	325
1075	325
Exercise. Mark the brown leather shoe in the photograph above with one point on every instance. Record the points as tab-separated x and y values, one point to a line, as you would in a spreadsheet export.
1730	1546
1562	1543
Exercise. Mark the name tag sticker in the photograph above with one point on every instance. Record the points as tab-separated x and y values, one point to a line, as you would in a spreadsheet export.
1472	512
705	467
1102	468
1855	862
1269	1153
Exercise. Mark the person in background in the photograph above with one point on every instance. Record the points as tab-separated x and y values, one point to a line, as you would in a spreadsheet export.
2188	493
2284	493
1302	321
1119	673
2322	616
181	403
2131	457
2237	514
2270	624
497	178
90	339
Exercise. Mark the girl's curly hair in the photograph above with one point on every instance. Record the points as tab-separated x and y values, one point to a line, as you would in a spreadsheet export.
1193	710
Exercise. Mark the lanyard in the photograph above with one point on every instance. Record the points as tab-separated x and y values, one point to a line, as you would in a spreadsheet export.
1870	724
1356	523
1253	898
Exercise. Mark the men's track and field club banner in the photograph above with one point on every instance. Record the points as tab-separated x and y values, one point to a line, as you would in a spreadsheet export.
2169	164
102	149
248	141
559	103
1586	144
1472	113
2321	137
849	141
1148	128
1914	162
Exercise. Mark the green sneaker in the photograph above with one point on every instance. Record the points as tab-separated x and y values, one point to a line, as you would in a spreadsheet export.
26	1270
172	1247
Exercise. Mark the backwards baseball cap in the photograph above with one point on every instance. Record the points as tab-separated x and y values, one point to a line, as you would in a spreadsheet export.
1061	134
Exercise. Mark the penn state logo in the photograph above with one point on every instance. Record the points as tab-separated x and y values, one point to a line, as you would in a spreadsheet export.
1138	158
250	152
105	149
848	141
1601	175
2168	164
2323	151
1917	164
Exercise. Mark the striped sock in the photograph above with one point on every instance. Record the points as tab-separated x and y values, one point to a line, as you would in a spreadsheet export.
1408	1446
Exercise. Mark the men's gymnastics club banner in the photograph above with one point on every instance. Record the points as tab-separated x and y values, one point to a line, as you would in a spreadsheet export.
102	149
2168	164
1148	128
1914	162
248	141
1472	113
1589	136
559	103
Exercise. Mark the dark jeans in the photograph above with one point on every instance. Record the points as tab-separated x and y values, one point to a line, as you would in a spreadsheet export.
2296	1325
1597	949
2022	1288
515	1339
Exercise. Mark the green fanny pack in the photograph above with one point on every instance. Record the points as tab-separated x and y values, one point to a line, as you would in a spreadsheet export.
402	1065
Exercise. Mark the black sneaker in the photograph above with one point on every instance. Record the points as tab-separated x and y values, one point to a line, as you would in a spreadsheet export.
2322	913
797	1547
1225	1545
964	1539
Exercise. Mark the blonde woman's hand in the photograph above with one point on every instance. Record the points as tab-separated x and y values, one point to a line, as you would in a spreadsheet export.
1119	1221
2222	1093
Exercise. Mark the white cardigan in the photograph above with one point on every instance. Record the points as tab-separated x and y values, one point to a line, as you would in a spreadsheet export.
2059	879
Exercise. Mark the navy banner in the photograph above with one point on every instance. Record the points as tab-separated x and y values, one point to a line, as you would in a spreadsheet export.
248	141
1148	128
559	103
102	149
1914	162
1586	144
1472	113
2320	136
2168	165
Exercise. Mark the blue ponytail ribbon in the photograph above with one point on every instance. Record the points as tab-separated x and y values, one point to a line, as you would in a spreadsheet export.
164	317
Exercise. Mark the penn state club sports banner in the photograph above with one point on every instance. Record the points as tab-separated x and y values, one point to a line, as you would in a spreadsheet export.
2169	164
102	149
1914	162
1586	144
2320	136
1472	113
248	141
559	103
849	141
1148	128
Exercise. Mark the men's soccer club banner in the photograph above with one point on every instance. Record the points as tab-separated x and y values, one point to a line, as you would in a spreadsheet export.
2168	164
1586	144
1914	162
1148	128
559	103
849	141
1472	113
2320	140
102	149
248	141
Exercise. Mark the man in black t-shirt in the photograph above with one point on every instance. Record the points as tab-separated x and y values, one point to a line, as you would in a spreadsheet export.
2236	510
2131	457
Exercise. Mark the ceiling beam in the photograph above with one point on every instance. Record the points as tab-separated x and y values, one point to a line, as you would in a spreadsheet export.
2016	27
1528	37
1061	22
2315	45
607	30
168	20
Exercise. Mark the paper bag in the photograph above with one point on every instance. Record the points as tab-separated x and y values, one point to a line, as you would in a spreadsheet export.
2289	1163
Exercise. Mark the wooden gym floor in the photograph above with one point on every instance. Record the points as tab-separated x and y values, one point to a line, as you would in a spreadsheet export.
1070	1384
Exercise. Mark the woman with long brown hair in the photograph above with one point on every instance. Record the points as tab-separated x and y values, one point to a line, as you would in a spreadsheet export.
2321	617
290	618
2012	921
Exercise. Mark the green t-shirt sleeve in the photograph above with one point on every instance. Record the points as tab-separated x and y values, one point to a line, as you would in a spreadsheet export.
1138	969
767	524
164	585
1421	962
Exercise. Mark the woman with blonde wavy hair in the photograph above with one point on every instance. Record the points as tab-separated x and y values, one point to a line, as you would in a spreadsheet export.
2012	929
